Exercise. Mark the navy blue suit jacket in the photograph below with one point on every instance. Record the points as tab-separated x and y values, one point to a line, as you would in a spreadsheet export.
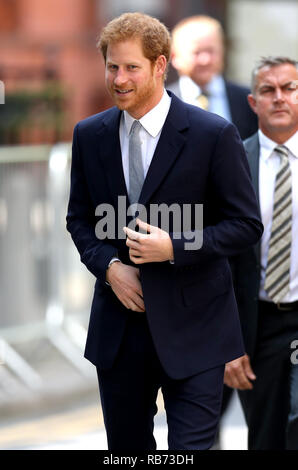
247	264
190	305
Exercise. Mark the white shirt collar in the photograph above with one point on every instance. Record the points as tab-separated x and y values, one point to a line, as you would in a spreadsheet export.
154	120
267	145
190	90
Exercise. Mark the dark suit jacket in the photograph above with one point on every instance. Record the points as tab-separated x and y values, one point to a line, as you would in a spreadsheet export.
246	266
190	306
242	115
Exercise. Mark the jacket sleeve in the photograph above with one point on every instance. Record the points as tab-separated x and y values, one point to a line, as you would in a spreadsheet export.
80	220
238	222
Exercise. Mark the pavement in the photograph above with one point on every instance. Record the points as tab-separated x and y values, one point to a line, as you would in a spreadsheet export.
64	412
78	425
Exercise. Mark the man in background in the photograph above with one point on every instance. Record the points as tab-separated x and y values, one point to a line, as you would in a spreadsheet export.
198	56
266	275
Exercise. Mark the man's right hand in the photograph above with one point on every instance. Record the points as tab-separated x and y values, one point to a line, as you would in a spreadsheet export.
239	374
126	285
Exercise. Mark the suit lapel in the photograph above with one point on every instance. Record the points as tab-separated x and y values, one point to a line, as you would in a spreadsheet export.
110	153
233	104
252	147
168	148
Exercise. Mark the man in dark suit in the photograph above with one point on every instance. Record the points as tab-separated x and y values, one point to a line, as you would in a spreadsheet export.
163	313
266	275
198	57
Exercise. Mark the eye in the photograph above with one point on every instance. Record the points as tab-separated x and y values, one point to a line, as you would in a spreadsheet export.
112	67
266	90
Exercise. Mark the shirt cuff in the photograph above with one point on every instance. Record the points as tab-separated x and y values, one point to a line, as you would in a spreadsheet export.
113	260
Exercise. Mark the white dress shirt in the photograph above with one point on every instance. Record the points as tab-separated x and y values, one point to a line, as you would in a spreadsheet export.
216	90
152	124
269	165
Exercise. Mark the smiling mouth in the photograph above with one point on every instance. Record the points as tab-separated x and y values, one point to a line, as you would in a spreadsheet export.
122	92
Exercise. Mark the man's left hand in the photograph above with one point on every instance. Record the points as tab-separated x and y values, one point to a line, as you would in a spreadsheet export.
239	373
153	246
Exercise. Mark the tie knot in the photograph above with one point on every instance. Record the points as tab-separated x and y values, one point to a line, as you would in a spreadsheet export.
136	126
202	101
282	151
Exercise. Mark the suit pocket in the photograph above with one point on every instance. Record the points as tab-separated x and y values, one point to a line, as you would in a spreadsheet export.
204	291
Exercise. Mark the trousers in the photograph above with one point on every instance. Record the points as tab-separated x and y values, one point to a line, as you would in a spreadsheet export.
271	407
129	391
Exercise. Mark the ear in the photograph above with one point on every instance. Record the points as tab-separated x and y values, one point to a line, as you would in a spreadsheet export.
161	65
252	102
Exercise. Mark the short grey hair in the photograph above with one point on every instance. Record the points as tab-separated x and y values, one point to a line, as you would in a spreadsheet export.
269	61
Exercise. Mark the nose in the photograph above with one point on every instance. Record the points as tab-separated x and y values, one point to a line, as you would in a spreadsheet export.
204	58
120	77
278	96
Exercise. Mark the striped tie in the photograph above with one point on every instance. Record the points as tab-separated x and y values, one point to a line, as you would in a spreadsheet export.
278	263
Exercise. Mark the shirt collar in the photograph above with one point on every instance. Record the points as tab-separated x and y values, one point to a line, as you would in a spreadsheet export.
154	120
292	144
267	145
190	90
216	86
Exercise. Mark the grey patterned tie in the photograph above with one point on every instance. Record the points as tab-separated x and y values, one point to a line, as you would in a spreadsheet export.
279	255
136	170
